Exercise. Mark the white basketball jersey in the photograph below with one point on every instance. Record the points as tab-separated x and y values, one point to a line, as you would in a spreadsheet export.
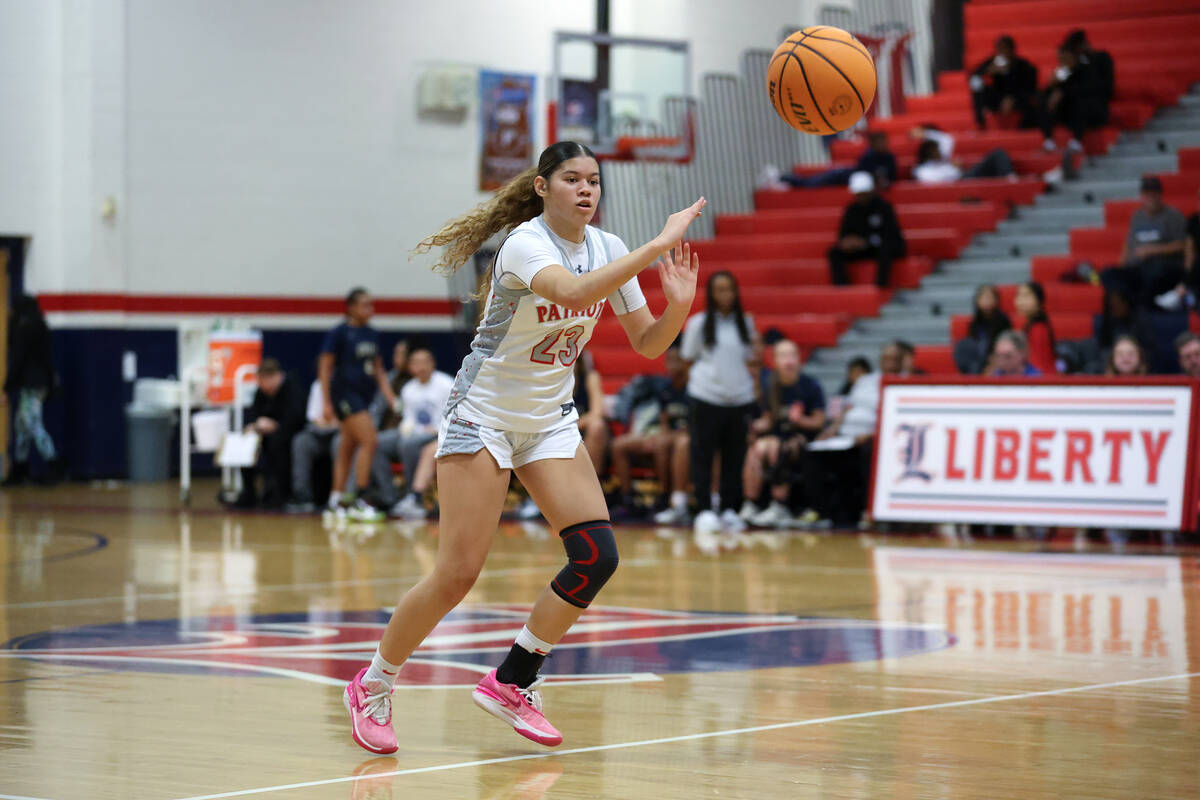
519	375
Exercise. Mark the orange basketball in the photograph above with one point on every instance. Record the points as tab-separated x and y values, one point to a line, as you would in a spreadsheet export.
821	80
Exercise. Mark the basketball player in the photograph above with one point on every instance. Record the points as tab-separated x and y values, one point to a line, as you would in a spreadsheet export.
351	371
511	409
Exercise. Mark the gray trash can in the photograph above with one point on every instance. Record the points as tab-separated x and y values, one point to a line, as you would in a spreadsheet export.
148	432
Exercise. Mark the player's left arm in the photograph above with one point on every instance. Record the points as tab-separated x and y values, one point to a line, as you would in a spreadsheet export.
650	337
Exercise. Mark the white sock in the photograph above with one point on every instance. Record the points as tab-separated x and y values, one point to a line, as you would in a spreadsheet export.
679	500
334	499
526	640
382	670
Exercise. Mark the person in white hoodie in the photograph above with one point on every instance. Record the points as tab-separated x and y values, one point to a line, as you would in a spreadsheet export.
422	398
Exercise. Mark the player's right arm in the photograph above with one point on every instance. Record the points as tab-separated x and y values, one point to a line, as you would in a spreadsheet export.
577	292
325	375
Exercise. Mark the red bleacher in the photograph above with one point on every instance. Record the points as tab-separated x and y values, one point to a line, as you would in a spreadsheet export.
778	252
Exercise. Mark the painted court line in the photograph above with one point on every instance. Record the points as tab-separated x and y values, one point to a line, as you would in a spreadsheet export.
694	736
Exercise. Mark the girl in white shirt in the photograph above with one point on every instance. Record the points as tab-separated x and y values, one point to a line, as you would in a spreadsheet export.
511	410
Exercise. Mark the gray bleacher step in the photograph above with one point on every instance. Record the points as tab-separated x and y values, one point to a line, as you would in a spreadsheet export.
981	267
951	282
893	326
1150	141
1129	166
953	305
936	300
1000	245
1036	227
1082	193
1181	123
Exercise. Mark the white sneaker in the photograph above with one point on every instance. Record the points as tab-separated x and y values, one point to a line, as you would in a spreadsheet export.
705	530
528	510
775	515
1075	146
409	508
749	511
1049	146
671	516
362	511
1053	176
731	522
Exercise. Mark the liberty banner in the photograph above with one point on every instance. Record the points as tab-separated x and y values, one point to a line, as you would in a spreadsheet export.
506	127
1062	452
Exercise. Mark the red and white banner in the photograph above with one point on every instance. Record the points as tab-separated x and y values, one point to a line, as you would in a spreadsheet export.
1079	452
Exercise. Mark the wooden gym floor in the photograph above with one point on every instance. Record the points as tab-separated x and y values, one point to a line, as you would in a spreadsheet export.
150	653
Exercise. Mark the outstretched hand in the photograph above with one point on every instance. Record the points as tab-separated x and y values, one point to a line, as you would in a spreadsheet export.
677	271
677	224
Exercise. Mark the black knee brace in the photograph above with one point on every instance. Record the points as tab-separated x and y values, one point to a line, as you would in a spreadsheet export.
592	559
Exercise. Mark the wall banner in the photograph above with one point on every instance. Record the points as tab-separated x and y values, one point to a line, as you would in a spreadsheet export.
506	127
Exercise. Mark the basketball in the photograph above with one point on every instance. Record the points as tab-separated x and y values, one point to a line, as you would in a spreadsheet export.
821	80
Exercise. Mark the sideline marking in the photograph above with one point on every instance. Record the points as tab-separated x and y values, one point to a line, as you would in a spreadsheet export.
693	736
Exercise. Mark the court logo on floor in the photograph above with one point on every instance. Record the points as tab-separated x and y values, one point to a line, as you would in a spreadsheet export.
607	645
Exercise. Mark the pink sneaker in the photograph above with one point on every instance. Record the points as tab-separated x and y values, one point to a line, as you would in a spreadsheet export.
370	710
521	708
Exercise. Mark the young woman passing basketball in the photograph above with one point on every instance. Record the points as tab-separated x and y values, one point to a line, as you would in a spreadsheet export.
511	410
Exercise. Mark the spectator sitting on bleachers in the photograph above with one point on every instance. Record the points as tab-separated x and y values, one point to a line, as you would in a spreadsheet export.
1187	346
1127	358
877	159
423	398
1121	318
720	344
855	369
1070	99
869	230
1152	259
836	480
315	441
1030	302
1004	83
397	376
987	322
1190	282
1010	357
792	409
276	414
908	358
1102	81
589	402
934	164
658	416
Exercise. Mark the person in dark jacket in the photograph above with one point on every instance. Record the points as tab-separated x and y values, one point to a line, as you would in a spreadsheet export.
869	230
276	414
1004	83
1122	318
30	379
1102	76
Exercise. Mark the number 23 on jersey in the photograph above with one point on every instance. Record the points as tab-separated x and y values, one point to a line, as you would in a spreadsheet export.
561	344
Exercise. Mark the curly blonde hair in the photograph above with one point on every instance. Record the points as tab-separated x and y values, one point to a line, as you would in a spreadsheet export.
514	203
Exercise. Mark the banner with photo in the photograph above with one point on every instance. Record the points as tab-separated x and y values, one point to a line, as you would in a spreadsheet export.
506	109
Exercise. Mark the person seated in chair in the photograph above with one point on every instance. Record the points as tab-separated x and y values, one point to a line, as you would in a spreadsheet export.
658	420
869	230
276	415
1003	84
1151	266
793	413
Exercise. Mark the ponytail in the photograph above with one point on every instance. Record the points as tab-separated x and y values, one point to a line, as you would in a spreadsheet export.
514	203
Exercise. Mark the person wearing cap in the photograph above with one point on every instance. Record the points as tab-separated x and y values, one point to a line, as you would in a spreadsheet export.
869	230
276	414
1152	258
1003	84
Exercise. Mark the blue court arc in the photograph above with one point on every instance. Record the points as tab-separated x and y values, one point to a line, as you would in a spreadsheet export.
333	645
